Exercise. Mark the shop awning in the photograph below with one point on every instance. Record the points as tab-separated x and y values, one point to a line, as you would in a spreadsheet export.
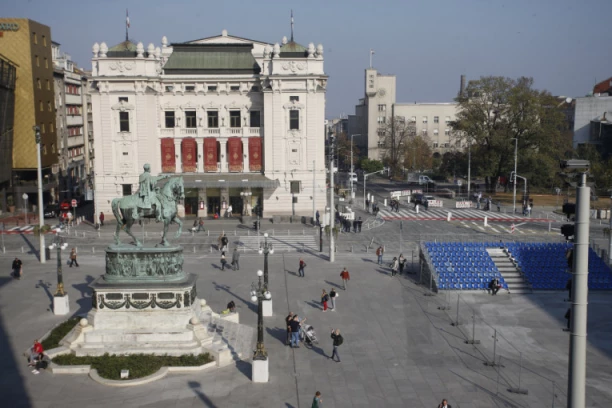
228	180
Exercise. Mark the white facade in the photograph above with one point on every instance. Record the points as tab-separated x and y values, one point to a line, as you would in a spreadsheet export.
183	99
592	120
374	112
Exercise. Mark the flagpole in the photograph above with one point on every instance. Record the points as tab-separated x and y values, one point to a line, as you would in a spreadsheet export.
127	24
291	25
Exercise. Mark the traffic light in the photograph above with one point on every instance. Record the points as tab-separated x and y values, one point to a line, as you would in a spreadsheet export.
568	230
569	209
256	225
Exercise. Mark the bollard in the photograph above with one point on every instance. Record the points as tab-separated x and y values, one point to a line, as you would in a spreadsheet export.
22	250
194	251
234	232
93	250
456	322
4	250
473	341
549	226
211	249
83	235
448	216
208	233
416	208
486	224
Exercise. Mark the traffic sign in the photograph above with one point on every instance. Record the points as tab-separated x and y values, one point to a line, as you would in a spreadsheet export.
74	203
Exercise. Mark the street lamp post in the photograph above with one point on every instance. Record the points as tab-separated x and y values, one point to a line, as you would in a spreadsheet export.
266	249
61	303
469	180
352	168
514	182
332	254
365	178
25	208
41	219
259	294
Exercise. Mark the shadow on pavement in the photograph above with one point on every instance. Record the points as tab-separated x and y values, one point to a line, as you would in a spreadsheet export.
46	286
12	387
33	251
195	387
335	285
226	288
278	333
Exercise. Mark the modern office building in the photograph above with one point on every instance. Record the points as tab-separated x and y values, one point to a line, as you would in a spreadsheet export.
376	109
241	120
27	44
8	76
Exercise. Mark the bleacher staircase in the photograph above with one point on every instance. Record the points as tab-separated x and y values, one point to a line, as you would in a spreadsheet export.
512	276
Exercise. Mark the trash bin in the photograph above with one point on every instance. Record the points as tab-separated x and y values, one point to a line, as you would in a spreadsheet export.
47	253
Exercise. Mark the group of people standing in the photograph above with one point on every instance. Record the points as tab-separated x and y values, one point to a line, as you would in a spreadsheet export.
394	204
346	224
397	265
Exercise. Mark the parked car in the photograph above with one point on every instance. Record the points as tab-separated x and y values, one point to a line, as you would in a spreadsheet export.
51	211
420	199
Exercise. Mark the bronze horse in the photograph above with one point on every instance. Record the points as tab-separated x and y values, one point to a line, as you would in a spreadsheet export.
127	211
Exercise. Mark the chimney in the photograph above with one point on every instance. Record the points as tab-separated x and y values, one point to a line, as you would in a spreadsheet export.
462	86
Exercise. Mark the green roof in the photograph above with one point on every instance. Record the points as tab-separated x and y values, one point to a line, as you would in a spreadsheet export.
293	50
211	59
123	49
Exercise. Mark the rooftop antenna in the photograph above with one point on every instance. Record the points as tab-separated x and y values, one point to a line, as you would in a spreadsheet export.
291	25
371	53
127	24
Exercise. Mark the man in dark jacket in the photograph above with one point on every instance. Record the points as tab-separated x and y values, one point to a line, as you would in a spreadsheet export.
236	260
17	268
338	340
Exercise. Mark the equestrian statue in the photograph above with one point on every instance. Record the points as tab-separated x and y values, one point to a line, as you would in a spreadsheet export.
150	202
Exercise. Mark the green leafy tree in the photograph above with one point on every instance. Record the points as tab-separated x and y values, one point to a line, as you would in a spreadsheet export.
343	150
370	166
417	154
396	136
496	111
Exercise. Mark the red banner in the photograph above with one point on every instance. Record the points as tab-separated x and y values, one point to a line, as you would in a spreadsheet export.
167	155
210	154
234	153
189	149
255	153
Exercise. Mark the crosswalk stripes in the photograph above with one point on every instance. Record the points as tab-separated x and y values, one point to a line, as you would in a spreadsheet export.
498	228
290	243
438	214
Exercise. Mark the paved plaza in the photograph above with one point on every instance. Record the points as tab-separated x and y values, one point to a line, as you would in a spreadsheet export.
401	348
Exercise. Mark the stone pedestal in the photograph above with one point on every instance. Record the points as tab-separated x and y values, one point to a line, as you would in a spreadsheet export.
61	305
260	373
267	307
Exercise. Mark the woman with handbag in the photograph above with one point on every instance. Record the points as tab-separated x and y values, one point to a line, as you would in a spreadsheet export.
324	300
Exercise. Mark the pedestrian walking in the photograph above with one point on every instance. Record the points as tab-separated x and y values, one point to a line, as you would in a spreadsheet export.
200	225
402	262
324	300
224	242
394	266
219	242
294	328
444	404
318	216
317	400
359	224
338	340
223	260
332	296
345	278
17	268
101	219
73	258
236	260
288	320
301	267
354	225
379	253
230	209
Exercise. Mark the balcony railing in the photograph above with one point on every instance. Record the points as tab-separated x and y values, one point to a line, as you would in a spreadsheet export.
189	131
203	132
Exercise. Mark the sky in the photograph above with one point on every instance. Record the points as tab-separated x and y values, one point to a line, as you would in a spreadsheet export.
563	44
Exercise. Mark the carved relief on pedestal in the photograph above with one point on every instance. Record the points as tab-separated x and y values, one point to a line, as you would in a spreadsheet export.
121	66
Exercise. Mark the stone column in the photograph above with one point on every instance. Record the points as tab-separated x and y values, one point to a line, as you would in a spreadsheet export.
200	143
245	154
223	152
178	154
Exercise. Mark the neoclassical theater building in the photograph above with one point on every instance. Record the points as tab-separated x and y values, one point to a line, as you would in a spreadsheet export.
241	120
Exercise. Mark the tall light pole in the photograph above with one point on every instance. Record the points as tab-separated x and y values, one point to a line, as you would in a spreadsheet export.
314	191
332	208
352	167
61	304
41	218
259	293
266	249
25	208
469	180
578	317
514	182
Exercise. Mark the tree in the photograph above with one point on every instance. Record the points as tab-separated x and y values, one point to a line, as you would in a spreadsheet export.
494	111
370	166
343	150
395	138
417	154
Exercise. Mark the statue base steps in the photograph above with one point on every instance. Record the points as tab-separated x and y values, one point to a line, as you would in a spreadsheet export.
161	318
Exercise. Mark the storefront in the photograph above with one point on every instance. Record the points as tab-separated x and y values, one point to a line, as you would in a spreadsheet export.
207	195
